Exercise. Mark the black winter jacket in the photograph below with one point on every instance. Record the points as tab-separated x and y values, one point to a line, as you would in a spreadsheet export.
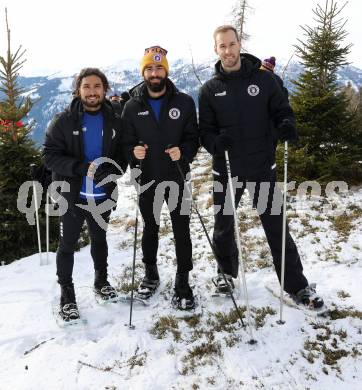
244	104
63	150
177	127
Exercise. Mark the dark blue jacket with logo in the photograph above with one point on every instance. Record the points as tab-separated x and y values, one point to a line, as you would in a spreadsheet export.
63	151
245	104
177	126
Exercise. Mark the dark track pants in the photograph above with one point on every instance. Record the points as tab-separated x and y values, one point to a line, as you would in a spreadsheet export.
151	211
70	228
224	239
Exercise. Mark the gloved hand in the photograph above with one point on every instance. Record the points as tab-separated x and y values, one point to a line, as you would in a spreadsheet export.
41	174
223	142
287	131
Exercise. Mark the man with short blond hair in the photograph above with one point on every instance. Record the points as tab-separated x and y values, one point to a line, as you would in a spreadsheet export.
225	28
237	108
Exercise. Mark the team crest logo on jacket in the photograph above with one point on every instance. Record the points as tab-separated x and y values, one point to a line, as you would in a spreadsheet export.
174	113
253	90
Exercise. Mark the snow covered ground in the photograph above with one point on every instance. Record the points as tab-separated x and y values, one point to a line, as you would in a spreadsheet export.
211	352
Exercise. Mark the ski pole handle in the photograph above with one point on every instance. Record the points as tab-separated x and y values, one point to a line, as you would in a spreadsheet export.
33	171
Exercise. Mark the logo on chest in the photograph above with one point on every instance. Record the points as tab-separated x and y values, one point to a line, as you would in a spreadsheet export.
174	113
142	113
253	90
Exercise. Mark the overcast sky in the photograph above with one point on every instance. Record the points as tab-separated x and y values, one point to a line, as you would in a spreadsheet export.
66	35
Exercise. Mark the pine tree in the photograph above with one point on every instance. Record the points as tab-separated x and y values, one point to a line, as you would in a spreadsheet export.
17	152
239	12
327	130
359	110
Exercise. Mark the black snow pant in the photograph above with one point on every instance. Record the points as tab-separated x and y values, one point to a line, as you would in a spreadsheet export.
267	199
70	228
151	202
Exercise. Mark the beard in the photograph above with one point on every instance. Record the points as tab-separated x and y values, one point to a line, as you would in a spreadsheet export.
230	62
156	87
92	104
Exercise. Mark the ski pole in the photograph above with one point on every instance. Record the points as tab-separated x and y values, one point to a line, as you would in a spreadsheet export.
282	276
36	212
47	200
193	203
130	325
238	242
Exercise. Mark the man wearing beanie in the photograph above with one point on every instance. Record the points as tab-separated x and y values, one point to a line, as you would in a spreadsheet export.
237	108
268	65
160	132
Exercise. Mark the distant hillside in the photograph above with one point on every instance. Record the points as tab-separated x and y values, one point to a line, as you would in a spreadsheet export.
54	93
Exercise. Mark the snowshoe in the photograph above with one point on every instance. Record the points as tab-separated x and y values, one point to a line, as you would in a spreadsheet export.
185	313
183	303
308	297
104	292
63	320
136	299
147	288
310	307
183	298
222	288
68	313
150	282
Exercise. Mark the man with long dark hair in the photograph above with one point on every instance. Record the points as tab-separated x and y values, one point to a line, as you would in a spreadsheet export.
75	141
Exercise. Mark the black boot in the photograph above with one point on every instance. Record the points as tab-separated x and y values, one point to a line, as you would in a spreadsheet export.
102	287
308	297
150	282
223	287
68	310
183	298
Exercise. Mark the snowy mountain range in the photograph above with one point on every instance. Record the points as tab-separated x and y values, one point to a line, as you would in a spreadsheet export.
54	92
